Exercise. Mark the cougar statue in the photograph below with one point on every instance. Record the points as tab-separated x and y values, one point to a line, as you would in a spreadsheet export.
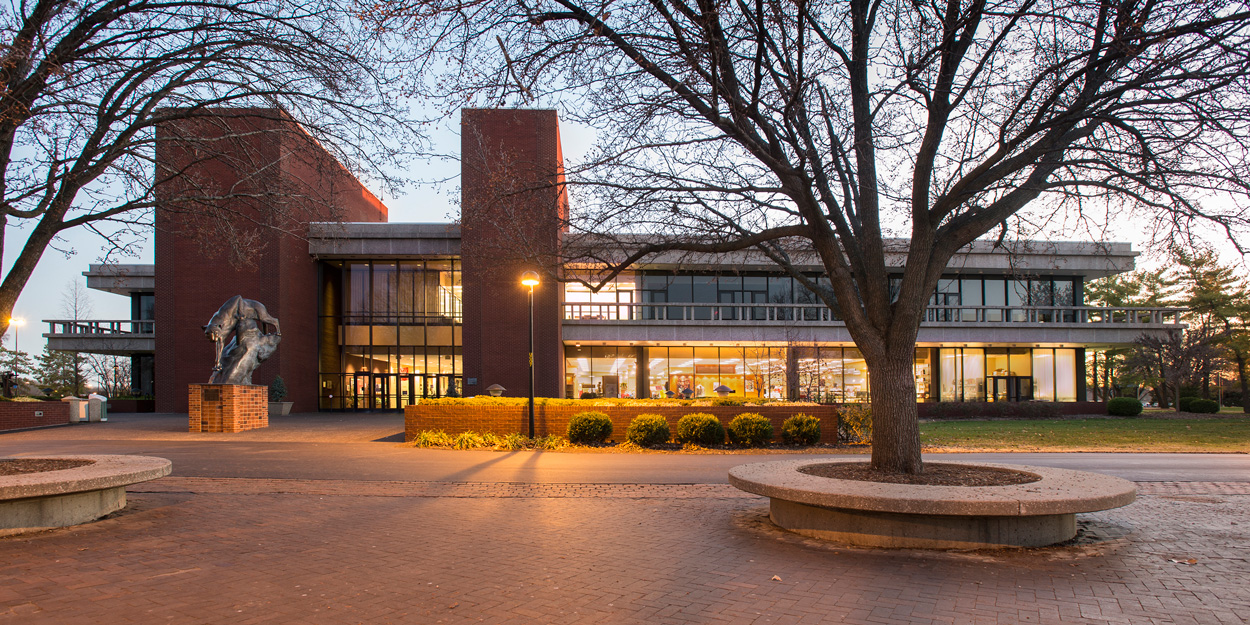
243	323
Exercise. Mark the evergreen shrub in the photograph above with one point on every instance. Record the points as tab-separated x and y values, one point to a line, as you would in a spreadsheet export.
1185	403
589	427
647	430
1204	406
701	429
1123	407
801	429
855	423
750	429
277	390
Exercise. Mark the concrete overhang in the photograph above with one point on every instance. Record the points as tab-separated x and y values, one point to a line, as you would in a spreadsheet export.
121	279
114	345
695	333
328	240
1024	258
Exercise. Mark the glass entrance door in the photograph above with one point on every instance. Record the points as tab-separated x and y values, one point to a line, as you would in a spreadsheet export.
361	392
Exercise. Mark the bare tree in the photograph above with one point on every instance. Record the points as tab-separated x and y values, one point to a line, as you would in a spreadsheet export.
818	130
112	373
89	89
76	305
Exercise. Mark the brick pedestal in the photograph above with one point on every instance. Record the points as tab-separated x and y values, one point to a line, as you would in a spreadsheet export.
227	407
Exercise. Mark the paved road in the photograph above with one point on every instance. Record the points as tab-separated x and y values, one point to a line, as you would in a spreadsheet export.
311	521
326	447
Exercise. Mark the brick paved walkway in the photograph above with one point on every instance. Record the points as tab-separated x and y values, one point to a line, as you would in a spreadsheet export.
231	550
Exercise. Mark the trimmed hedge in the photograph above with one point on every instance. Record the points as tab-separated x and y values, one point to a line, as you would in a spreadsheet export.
1123	407
750	429
701	429
1204	406
647	430
1185	403
801	429
589	427
487	400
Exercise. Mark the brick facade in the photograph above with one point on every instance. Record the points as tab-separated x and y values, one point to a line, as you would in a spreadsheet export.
295	181
227	407
18	415
513	210
555	419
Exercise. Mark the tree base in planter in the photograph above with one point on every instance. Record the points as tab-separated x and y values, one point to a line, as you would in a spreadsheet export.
876	514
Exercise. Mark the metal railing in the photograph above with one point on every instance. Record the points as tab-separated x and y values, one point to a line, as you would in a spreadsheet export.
821	314
97	327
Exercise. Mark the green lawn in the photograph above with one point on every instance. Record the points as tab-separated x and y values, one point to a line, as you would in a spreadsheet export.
1157	435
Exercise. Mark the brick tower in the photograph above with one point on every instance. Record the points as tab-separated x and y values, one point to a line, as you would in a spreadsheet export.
513	209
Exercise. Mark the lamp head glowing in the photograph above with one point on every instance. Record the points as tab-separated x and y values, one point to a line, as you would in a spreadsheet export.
529	279
17	321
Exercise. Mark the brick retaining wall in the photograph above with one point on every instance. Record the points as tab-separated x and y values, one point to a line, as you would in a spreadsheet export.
17	415
555	419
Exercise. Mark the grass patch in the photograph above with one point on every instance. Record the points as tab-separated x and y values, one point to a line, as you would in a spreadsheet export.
1150	435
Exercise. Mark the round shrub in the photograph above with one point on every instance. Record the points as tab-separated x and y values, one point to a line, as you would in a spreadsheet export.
801	429
1123	407
1185	403
589	427
750	429
647	430
1204	406
700	429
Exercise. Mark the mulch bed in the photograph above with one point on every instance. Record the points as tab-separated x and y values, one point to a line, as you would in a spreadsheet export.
935	474
38	465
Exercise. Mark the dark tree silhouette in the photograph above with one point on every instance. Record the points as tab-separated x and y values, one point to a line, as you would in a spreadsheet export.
817	130
86	84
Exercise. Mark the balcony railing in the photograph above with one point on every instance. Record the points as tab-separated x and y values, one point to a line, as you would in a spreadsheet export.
95	327
819	314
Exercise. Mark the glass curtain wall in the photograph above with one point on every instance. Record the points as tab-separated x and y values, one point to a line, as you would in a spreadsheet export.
390	332
1001	294
817	373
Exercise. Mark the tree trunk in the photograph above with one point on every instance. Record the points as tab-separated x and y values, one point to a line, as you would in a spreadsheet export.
1241	376
895	418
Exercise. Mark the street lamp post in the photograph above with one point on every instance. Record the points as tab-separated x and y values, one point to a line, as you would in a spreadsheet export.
530	279
17	323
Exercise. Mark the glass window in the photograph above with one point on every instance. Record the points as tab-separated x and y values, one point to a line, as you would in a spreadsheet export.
732	372
855	375
974	374
1018	296
924	373
359	294
995	295
704	290
1044	374
949	373
1064	296
831	375
1065	375
1020	362
681	371
657	371
969	295
706	371
996	361
757	374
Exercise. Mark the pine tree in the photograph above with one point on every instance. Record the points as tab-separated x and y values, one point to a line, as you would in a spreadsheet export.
59	372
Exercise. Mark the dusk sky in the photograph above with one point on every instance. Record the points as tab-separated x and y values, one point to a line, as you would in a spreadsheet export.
423	201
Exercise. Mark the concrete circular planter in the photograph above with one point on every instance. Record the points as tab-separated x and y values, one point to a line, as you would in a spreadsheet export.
37	501
878	514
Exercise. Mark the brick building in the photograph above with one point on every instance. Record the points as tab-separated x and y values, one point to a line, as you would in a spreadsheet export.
376	315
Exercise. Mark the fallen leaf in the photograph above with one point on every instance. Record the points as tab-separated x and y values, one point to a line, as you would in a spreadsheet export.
776	578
